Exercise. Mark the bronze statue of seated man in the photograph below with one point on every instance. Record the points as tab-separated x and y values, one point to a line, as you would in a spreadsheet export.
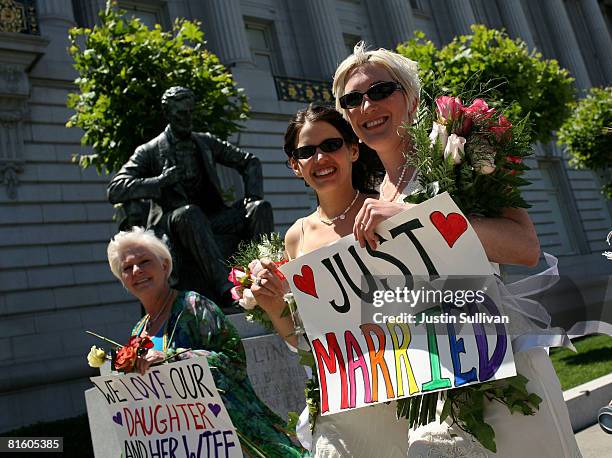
174	176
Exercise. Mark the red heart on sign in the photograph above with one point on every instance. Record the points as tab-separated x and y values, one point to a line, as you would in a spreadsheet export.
305	282
451	226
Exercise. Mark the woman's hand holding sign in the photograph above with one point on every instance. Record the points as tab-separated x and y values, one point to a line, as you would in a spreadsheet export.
372	213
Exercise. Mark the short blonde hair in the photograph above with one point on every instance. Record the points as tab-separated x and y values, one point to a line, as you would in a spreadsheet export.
401	69
136	236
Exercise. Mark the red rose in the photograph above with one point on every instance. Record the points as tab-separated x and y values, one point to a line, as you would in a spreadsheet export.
125	358
134	342
140	342
502	128
478	109
146	343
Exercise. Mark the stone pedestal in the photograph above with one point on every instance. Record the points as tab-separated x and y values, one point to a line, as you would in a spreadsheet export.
276	375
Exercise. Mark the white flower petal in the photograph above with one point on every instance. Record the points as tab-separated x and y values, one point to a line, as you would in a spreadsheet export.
454	148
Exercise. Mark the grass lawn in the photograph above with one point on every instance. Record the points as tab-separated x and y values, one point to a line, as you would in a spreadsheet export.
593	360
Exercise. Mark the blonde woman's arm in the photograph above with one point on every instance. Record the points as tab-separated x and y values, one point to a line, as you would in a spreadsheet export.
510	238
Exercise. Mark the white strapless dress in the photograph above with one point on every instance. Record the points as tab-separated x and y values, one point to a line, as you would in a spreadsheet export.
375	431
547	434
368	432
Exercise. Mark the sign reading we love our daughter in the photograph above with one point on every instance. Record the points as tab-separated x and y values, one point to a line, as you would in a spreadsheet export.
363	354
174	410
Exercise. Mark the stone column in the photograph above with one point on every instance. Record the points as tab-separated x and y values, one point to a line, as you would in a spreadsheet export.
225	25
399	20
88	10
56	18
599	35
514	19
462	15
327	35
58	12
565	41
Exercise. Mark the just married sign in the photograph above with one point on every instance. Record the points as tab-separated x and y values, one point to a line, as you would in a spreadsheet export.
364	356
174	410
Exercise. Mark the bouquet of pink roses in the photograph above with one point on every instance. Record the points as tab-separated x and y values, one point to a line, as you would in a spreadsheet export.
474	152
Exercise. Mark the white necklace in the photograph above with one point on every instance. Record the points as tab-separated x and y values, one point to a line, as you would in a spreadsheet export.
341	216
397	185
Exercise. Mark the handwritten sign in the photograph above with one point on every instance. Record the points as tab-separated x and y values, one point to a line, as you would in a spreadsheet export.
172	411
363	360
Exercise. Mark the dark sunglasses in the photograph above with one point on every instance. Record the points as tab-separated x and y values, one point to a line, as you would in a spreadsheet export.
377	91
327	146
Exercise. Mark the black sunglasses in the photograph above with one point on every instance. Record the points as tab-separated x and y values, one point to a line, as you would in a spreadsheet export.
327	146
375	92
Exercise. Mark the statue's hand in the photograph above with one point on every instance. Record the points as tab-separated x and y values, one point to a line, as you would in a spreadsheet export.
247	200
170	176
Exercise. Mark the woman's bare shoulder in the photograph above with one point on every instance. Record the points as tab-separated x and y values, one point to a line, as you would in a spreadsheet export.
293	237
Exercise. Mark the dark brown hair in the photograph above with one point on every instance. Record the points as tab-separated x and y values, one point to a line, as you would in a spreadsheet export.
368	170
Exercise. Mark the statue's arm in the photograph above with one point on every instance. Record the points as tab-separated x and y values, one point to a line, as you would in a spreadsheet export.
247	164
137	179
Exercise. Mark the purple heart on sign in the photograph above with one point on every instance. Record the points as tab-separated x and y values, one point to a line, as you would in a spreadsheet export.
214	408
117	419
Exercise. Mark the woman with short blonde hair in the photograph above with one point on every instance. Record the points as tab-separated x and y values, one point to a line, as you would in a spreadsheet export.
403	70
377	91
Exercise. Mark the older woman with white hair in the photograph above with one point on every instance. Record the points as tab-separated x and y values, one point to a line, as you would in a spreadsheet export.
378	92
186	319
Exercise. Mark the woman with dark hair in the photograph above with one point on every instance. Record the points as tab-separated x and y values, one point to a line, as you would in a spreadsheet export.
324	151
367	170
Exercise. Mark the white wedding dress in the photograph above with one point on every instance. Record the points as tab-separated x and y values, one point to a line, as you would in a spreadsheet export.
367	432
547	434
375	431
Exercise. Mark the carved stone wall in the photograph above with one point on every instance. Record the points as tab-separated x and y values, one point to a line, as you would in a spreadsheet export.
19	48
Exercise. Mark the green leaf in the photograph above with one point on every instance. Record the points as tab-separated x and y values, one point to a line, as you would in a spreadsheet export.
123	69
489	62
446	409
292	421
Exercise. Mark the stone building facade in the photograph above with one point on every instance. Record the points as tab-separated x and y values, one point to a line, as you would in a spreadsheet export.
54	217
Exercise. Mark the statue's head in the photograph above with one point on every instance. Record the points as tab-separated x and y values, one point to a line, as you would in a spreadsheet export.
178	103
